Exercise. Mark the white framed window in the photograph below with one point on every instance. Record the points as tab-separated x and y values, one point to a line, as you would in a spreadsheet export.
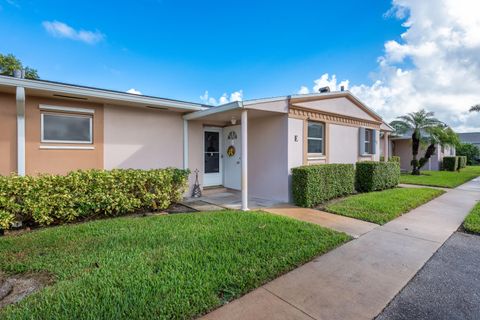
368	141
66	128
316	138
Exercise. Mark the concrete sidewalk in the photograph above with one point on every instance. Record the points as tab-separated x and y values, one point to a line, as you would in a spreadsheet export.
351	226
358	279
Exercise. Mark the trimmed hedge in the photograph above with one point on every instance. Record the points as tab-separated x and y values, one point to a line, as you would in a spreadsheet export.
391	159
55	199
315	184
374	176
450	163
462	163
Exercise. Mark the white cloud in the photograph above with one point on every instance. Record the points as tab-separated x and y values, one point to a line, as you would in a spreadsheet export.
435	65
62	30
224	98
133	91
325	81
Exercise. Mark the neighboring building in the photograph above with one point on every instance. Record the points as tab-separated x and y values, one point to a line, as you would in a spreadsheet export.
402	146
470	137
49	127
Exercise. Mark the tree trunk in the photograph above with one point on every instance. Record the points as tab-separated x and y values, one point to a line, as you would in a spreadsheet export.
430	151
415	147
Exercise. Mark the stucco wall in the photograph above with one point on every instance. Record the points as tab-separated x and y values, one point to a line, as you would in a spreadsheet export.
268	157
60	161
343	147
142	138
8	134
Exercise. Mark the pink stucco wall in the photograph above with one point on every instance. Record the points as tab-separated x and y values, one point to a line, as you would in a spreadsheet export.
142	138
268	157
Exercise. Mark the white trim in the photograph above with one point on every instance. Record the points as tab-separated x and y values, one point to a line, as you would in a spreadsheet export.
244	130
86	92
20	101
43	140
66	148
66	109
213	110
185	144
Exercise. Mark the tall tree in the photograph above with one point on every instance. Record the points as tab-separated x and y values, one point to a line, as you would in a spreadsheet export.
433	130
10	63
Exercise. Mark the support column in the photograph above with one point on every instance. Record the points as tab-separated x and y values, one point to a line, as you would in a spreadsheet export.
385	146
185	144
244	126
20	131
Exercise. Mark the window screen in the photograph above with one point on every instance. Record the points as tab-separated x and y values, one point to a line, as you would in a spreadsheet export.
66	128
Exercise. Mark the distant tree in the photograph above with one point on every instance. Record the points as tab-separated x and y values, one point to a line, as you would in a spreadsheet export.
9	63
475	108
471	151
424	122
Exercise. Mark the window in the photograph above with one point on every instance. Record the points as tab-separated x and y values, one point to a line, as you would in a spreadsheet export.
369	141
66	128
316	135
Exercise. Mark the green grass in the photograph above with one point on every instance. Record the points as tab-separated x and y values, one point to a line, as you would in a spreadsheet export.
447	179
472	221
383	206
160	267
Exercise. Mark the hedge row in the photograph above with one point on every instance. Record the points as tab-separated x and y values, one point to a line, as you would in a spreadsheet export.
374	176
454	163
55	199
391	159
315	184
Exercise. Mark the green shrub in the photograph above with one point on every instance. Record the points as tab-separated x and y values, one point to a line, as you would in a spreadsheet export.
391	159
55	199
373	175
471	151
450	163
315	184
462	162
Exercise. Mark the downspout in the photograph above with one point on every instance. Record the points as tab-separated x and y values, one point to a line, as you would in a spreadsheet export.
185	144
20	98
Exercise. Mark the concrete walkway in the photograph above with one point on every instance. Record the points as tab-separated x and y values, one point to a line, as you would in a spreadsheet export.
351	226
358	279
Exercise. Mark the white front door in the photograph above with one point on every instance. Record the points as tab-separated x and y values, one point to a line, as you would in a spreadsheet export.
212	156
232	157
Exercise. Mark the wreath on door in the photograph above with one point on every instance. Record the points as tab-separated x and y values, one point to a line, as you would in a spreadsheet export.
231	151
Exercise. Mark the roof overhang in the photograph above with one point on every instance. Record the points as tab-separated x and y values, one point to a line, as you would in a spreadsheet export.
67	91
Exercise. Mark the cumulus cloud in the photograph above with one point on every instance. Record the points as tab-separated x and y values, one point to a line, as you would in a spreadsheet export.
435	65
62	30
325	81
134	91
223	99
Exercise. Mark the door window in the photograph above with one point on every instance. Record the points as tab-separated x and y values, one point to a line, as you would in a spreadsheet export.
212	152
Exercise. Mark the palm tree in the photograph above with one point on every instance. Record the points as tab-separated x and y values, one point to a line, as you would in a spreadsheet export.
475	108
419	123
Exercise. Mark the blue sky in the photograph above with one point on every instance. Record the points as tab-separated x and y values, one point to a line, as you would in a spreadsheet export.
180	49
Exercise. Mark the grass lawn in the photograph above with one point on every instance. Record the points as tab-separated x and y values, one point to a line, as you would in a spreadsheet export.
447	179
159	267
383	206
472	221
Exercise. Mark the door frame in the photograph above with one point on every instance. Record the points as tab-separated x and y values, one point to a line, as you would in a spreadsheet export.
220	154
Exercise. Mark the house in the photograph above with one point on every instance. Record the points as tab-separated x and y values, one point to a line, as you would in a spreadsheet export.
470	137
51	127
401	146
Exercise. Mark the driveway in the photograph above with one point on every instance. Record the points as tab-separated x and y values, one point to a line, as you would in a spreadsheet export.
447	287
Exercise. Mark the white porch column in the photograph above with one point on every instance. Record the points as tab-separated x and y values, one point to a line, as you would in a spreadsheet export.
20	131
185	144
385	146
244	126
